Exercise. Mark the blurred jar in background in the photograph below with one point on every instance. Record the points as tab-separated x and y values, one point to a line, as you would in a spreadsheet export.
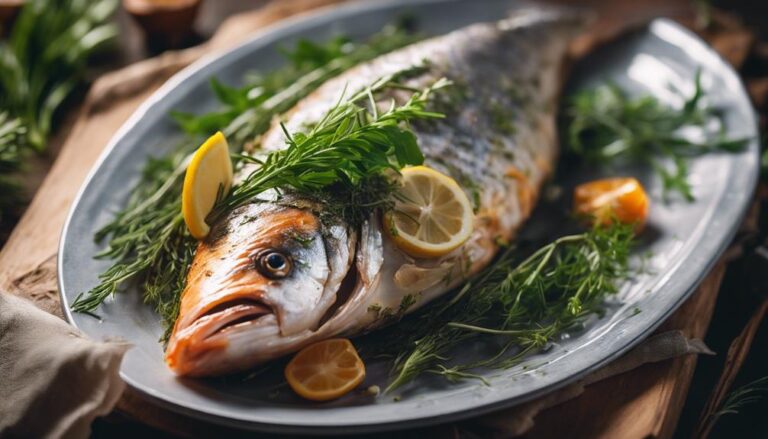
9	9
167	24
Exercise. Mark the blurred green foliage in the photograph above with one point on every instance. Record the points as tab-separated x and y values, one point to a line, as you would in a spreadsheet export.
41	63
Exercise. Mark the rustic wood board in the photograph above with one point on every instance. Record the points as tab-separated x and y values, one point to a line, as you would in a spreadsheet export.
642	403
645	402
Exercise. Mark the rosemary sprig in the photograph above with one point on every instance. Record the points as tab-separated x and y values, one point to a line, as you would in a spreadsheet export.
522	306
152	244
744	395
349	145
606	124
737	399
147	241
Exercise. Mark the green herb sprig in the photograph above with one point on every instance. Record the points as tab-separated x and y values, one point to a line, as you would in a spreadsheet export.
606	124
523	305
349	145
247	111
150	240
744	395
147	240
736	400
12	132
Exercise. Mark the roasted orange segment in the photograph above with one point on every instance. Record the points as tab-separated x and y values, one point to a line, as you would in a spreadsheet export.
325	370
622	199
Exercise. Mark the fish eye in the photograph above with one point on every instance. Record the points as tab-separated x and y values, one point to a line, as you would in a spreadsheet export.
273	264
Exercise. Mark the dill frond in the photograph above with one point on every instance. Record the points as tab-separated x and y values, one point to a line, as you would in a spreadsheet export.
522	305
737	399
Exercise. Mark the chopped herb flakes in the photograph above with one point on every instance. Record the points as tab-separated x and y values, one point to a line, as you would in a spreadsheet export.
502	118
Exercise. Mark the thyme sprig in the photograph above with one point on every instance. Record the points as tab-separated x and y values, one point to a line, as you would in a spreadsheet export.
147	241
606	124
521	306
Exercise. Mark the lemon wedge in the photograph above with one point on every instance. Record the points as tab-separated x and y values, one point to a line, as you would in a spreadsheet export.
432	215
209	173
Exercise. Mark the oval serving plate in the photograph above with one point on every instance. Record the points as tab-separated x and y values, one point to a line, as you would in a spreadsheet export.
688	236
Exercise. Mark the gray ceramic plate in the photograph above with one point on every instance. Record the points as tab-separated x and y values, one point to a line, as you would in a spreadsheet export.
688	239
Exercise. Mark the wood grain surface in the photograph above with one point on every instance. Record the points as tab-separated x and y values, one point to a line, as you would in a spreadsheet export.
642	403
645	402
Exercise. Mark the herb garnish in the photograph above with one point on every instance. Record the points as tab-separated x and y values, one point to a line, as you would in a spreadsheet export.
247	111
606	124
523	305
148	241
351	144
736	400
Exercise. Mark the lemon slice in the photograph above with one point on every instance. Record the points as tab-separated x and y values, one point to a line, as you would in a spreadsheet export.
432	215
325	370
209	172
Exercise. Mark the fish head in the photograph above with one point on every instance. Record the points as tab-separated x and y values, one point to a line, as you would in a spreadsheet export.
265	275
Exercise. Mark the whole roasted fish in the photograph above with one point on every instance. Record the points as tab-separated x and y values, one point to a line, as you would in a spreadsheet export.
275	276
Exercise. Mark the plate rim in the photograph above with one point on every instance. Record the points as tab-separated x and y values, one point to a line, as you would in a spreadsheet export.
454	413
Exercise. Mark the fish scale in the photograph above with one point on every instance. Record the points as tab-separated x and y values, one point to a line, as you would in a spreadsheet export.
498	140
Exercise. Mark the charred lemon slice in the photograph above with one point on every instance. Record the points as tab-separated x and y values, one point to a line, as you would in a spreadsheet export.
432	215
209	173
325	370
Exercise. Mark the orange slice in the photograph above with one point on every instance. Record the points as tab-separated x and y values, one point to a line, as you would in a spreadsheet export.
621	199
325	370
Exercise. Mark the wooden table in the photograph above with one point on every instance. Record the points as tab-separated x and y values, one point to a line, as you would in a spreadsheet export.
642	403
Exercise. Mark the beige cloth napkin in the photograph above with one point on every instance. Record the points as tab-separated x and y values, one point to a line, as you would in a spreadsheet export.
54	381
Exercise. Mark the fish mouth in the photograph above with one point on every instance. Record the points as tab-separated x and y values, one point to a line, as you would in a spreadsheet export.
190	347
234	315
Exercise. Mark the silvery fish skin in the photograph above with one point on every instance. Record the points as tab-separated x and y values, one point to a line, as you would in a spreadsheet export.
273	276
